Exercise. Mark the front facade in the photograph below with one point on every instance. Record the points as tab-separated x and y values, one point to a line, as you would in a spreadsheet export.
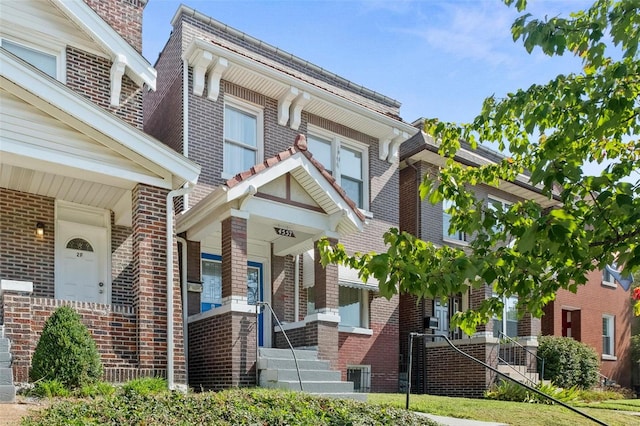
83	190
599	314
290	154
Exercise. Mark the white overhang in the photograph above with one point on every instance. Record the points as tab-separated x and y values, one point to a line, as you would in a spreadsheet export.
333	217
293	94
124	57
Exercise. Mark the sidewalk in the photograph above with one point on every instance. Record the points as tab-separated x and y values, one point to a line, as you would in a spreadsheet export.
451	421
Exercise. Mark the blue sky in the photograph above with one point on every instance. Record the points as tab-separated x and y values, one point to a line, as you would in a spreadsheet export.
439	58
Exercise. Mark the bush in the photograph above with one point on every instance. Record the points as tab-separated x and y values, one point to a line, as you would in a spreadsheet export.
568	363
96	389
510	391
50	389
66	352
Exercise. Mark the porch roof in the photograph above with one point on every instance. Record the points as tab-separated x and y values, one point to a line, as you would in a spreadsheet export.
59	144
322	209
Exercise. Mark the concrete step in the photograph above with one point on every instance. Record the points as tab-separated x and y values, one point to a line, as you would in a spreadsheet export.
306	375
287	354
6	377
7	394
5	346
314	387
519	373
289	364
5	360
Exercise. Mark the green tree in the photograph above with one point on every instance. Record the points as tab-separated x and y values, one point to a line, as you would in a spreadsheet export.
550	131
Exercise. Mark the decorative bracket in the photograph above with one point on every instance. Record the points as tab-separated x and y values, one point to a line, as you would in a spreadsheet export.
395	146
284	103
200	62
117	71
215	74
385	142
296	109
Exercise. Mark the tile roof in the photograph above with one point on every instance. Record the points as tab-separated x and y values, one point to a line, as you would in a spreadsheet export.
299	146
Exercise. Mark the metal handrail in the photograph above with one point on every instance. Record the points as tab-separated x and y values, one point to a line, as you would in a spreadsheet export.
293	352
502	337
495	370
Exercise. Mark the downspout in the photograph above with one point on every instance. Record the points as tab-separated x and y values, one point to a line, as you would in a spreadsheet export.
296	290
185	304
170	196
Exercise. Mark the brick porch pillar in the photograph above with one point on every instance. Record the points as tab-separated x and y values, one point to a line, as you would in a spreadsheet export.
239	341
477	295
322	326
149	285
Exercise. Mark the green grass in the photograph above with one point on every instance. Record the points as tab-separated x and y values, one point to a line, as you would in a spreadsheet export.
516	413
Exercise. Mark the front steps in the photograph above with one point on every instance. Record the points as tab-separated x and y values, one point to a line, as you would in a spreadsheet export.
519	373
278	370
7	388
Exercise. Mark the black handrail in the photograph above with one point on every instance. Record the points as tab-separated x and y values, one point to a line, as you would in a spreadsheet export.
293	352
434	336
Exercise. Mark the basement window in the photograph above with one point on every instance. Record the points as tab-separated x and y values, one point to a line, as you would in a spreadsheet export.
360	375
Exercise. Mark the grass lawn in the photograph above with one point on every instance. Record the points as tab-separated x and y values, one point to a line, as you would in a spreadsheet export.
516	413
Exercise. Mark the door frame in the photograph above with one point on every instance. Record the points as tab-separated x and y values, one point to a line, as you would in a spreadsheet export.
83	216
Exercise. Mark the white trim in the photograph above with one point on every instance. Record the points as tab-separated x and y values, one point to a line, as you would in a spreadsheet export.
17	286
52	49
606	357
140	71
254	110
323	316
611	333
355	330
337	141
76	111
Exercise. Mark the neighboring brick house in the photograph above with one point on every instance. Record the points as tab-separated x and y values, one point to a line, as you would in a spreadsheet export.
235	105
437	369
83	191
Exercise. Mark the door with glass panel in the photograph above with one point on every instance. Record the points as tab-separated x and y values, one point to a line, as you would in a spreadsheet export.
211	296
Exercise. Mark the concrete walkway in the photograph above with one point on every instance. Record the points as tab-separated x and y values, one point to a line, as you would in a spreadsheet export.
452	421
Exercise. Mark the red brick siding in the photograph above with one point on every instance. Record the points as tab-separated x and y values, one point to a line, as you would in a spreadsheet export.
325	283
121	265
124	16
234	257
282	287
222	351
408	202
112	327
26	257
451	374
89	75
592	301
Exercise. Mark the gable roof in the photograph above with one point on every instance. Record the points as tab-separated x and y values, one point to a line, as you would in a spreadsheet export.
341	215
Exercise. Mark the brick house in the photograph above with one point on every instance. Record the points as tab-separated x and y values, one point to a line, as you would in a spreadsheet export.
83	191
235	105
601	304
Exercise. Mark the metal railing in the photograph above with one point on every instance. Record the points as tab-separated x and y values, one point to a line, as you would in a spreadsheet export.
293	352
514	354
485	365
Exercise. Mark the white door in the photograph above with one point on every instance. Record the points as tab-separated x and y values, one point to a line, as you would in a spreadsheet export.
81	263
441	311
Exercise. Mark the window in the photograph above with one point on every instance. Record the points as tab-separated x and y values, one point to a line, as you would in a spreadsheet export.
607	278
509	320
608	336
242	137
211	296
447	205
45	62
360	375
498	205
353	307
346	160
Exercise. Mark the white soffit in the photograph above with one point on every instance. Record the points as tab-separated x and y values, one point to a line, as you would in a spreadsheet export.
167	168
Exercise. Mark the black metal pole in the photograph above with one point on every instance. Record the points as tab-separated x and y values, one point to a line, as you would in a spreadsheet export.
409	369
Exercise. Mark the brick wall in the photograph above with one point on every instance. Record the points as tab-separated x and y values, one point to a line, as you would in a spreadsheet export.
222	351
451	374
121	264
234	257
124	16
26	257
591	301
89	75
112	327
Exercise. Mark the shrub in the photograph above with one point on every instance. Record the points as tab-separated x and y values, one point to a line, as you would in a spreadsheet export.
510	391
96	389
66	352
568	363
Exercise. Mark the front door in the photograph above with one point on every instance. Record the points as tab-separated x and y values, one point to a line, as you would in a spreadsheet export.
441	311
81	263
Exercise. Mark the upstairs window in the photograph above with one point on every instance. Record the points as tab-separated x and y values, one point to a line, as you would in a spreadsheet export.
447	205
497	204
45	62
242	137
346	160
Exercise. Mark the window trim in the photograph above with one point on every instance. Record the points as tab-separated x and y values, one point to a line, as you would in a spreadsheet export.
365	382
58	52
610	356
363	302
608	283
453	238
249	108
337	141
